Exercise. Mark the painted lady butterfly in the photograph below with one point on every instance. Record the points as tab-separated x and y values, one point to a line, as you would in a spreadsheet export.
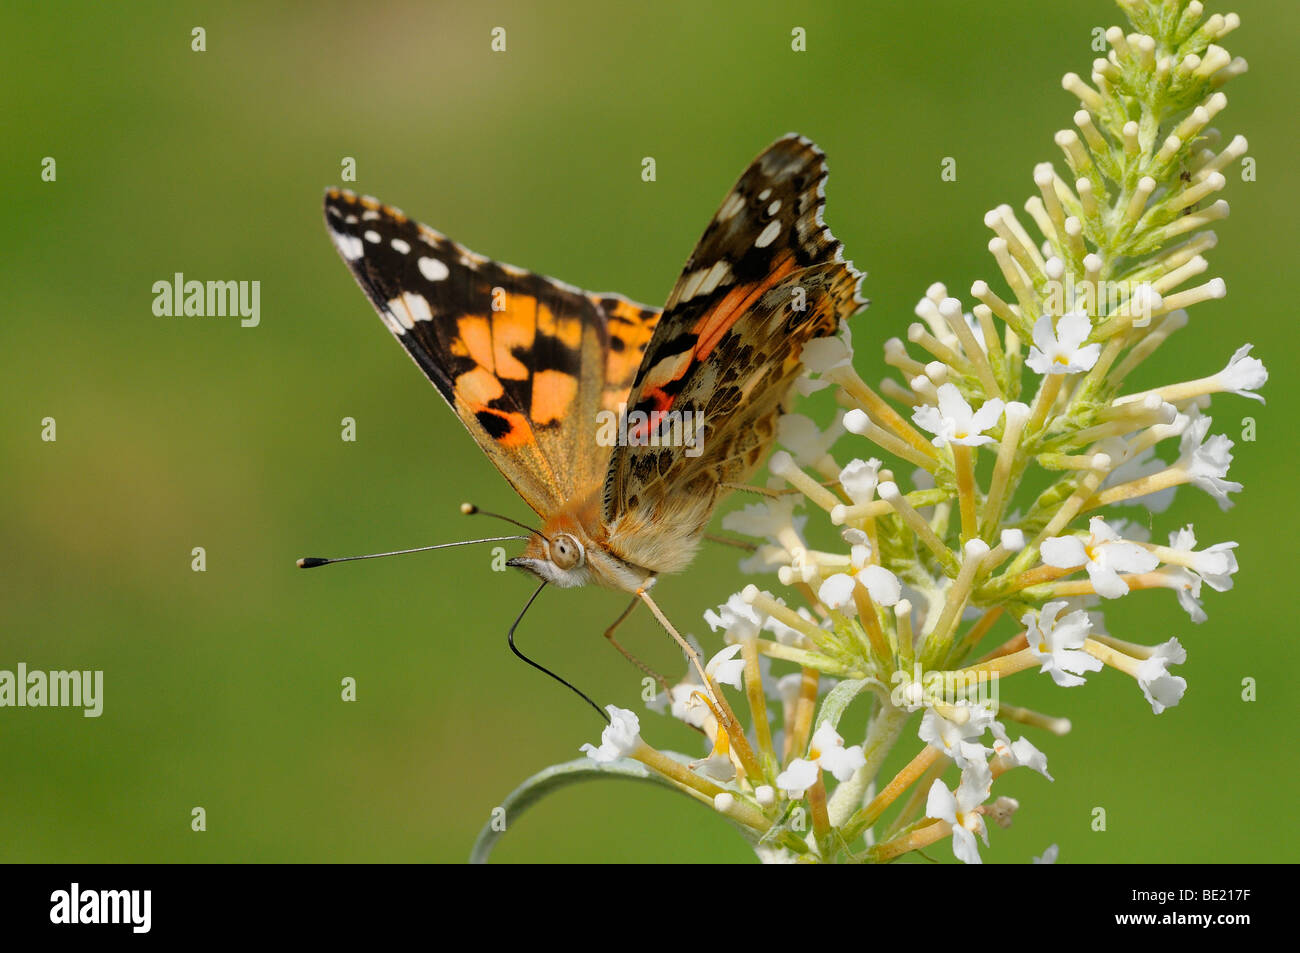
532	365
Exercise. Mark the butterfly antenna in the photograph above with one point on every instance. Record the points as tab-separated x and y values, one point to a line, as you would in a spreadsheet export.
469	509
541	668
311	562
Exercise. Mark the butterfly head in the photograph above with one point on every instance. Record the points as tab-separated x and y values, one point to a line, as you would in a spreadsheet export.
559	557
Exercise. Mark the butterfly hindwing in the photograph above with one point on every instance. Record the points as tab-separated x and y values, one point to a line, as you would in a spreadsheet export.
526	362
765	278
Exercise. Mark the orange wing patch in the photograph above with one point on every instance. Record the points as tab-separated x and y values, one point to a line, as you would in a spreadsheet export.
567	329
713	324
553	395
630	328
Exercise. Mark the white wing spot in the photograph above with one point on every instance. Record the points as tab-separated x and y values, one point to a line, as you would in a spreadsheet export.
764	195
390	320
735	202
774	207
410	308
719	273
369	215
691	285
349	246
372	236
433	269
768	235
399	245
351	219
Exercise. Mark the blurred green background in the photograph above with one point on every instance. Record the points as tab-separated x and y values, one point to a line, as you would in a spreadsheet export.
222	687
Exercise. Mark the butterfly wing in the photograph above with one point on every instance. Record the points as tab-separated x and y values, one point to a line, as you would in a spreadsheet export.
766	277
526	362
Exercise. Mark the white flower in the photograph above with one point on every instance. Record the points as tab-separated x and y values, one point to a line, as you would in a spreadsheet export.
823	355
1058	644
1020	753
882	585
826	751
775	855
725	668
1161	689
1215	565
953	421
681	699
1187	587
837	593
859	479
685	706
785	634
1058	350
717	766
1243	375
765	520
788	687
737	618
621	736
961	811
1049	855
805	441
828	748
765	560
798	777
956	736
858	555
1207	461
1105	555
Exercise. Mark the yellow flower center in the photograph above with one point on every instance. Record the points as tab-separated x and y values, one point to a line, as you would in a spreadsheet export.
722	746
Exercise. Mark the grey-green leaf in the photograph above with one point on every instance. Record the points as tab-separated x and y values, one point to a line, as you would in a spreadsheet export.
552	779
839	698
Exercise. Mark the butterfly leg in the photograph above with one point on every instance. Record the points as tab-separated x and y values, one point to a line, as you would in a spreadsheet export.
769	492
717	701
730	541
646	669
759	490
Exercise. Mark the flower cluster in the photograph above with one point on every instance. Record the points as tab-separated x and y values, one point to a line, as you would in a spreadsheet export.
984	485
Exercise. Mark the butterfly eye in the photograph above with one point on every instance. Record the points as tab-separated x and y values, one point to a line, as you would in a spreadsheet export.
566	552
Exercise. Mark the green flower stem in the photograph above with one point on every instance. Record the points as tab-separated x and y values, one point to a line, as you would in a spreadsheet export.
739	811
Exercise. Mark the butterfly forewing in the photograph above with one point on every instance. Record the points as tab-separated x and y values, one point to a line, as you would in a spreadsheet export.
526	362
